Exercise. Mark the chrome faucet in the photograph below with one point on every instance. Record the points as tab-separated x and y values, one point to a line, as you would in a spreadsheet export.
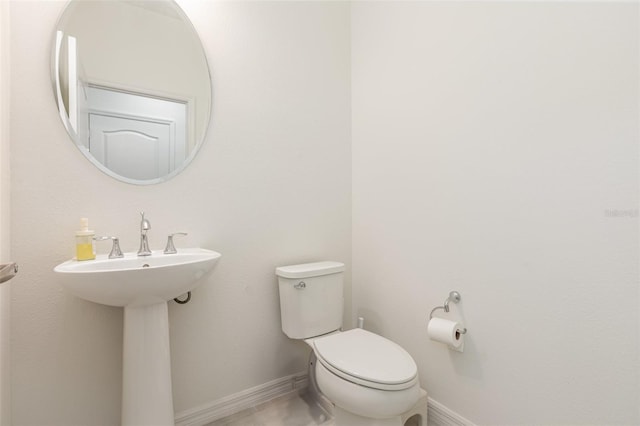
144	242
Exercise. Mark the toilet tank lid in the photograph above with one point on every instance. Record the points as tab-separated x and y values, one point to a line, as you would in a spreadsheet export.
307	270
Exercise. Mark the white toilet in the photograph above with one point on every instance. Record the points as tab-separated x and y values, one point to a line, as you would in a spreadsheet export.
371	380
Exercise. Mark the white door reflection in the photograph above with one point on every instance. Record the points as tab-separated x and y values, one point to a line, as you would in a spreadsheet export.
133	135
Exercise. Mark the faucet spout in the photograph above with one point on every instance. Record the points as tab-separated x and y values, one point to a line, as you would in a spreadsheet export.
145	225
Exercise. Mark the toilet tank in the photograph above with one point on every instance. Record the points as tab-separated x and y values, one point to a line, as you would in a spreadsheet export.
311	298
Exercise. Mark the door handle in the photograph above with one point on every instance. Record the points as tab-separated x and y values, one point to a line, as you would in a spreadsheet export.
8	271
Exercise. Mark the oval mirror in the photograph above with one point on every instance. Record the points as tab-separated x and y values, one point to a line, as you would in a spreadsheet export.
132	86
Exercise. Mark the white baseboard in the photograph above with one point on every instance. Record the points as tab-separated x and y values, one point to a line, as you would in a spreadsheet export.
439	415
243	400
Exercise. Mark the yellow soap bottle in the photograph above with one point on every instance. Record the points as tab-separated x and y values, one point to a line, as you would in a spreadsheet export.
84	241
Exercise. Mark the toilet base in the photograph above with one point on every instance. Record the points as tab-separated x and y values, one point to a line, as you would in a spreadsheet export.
416	416
345	418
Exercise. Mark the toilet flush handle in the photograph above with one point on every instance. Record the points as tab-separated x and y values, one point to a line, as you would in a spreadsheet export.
300	285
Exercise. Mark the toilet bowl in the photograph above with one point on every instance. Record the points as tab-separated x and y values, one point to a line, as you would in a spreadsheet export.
366	375
370	380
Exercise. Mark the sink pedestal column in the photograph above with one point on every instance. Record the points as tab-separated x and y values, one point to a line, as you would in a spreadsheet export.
146	367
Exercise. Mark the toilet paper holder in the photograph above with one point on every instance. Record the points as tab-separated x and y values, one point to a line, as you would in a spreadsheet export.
454	297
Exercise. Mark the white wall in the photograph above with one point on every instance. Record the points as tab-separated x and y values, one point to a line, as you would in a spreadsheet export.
5	289
271	186
495	152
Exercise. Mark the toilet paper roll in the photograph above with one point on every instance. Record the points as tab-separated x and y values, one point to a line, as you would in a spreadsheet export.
445	331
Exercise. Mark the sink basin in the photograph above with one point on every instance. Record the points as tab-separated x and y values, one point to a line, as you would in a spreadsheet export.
143	286
137	280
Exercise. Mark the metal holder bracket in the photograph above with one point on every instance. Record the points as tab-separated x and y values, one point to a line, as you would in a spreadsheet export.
454	297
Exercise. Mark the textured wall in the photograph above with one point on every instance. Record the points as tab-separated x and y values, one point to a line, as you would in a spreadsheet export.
495	152
271	186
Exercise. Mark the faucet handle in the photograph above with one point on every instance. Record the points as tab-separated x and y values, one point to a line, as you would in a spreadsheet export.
115	248
170	248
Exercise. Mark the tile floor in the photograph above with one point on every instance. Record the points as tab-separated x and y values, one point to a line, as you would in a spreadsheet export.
289	410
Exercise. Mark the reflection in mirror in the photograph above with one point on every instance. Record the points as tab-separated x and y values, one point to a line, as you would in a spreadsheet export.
132	86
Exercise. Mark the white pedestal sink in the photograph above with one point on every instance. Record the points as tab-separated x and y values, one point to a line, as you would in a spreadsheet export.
142	285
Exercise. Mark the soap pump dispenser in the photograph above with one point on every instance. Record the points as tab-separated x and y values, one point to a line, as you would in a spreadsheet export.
84	241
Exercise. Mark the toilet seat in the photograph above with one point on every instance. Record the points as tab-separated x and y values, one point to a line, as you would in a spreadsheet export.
367	359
